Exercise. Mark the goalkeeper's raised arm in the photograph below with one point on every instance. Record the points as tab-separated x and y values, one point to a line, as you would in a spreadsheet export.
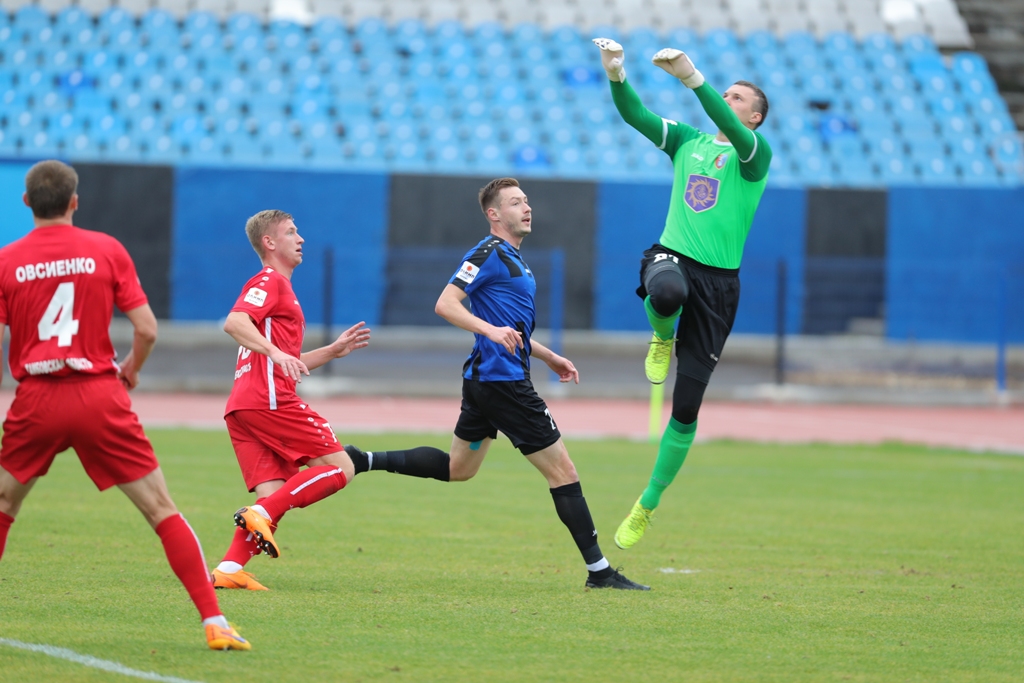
667	135
737	113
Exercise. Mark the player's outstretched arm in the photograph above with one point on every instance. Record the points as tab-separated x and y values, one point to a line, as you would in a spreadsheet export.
632	110
239	326
449	306
679	65
561	366
143	340
355	337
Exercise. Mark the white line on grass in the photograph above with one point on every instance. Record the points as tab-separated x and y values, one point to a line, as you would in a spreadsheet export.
94	662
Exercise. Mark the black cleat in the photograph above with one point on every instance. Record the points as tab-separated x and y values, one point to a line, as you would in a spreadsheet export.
615	580
359	458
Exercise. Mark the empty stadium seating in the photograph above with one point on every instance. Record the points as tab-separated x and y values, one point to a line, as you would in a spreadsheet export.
416	89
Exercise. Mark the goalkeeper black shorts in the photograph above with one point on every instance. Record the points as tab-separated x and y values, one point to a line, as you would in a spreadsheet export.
709	309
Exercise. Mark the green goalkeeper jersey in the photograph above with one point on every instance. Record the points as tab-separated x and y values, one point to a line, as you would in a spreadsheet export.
717	185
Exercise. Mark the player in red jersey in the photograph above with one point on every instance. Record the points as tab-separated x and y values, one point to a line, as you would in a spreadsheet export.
58	287
273	431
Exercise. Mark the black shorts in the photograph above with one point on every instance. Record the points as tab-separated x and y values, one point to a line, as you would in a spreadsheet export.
513	408
708	314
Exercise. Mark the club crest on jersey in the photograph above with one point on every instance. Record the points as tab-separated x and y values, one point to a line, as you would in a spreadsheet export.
701	192
720	160
255	296
467	273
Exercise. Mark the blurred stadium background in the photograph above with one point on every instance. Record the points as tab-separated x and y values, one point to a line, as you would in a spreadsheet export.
886	262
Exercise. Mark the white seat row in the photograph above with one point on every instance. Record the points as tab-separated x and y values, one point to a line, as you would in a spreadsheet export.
938	18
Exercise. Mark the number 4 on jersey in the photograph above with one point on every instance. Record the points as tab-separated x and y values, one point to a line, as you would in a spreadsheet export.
57	322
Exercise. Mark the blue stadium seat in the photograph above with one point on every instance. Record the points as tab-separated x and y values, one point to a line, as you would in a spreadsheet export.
816	167
781	171
919	44
937	170
946	105
995	126
800	42
30	17
886	146
979	171
721	40
69	18
956	126
969	63
244	149
488	31
40	144
878	42
895	171
857	171
848	148
839	42
571	162
977	84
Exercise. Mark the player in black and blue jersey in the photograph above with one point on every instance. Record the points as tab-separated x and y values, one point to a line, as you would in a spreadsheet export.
497	394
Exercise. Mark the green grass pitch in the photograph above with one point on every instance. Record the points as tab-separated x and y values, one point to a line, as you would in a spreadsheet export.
806	563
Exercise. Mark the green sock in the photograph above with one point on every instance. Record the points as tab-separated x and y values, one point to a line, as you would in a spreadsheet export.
664	327
675	444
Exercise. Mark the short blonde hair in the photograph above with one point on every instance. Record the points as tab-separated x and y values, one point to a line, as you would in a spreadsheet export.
260	224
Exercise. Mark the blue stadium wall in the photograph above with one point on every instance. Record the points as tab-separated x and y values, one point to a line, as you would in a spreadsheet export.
951	267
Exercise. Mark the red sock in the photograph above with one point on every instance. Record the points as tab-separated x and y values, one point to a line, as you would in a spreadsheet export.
305	488
186	558
243	546
5	525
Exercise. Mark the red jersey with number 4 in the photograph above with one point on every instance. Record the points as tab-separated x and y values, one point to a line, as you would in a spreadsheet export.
58	287
269	301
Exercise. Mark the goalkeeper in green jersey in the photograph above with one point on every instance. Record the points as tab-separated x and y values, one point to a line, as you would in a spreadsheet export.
690	279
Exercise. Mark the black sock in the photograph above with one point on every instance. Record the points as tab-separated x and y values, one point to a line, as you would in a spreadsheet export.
359	459
425	461
572	509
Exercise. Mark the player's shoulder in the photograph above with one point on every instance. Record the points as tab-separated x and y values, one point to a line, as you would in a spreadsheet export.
484	248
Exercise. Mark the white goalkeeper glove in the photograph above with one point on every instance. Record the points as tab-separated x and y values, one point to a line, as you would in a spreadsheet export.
612	59
679	65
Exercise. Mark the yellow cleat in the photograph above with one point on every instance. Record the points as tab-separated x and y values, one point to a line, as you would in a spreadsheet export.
259	526
240	579
225	639
633	527
659	355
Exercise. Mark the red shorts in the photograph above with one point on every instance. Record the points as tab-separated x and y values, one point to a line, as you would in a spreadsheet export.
91	414
274	444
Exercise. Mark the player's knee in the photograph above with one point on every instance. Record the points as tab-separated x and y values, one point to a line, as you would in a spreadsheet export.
668	293
460	470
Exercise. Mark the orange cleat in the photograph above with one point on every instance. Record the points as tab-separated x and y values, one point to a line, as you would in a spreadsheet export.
240	579
259	526
225	639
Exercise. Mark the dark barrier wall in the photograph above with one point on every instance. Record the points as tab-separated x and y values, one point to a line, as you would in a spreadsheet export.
435	220
949	253
631	218
134	204
213	258
844	274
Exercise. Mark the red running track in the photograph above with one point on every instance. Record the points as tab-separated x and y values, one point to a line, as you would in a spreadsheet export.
971	428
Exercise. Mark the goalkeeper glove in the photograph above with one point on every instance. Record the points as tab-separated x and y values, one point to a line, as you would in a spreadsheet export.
612	59
679	65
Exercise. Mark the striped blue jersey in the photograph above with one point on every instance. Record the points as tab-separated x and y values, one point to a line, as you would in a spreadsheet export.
501	290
